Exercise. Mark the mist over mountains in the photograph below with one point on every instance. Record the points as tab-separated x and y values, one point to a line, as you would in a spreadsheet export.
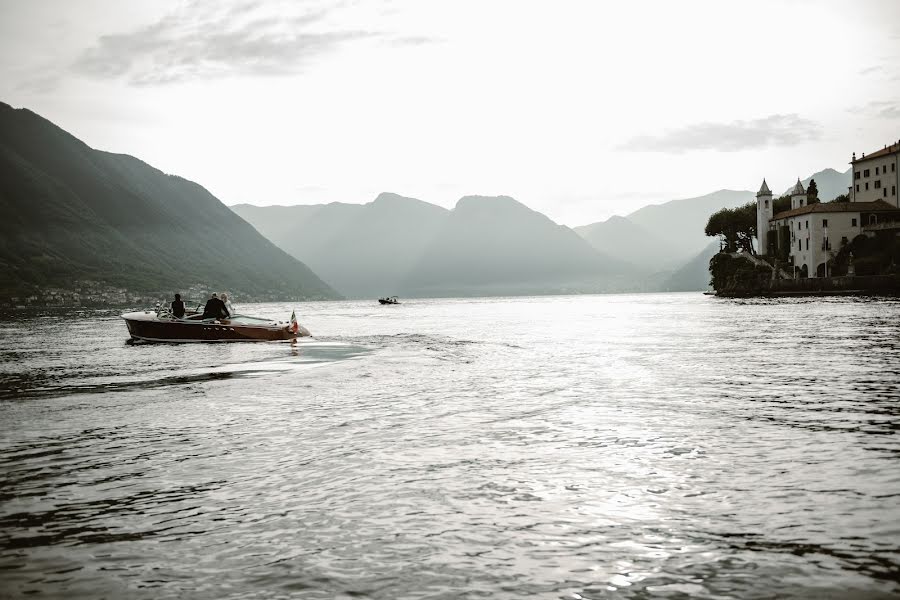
72	213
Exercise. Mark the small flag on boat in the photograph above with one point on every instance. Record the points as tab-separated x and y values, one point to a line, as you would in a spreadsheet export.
295	326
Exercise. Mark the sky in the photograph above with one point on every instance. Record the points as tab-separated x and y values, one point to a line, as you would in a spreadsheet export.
580	110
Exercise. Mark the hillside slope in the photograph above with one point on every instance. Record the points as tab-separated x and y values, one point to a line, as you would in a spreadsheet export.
72	213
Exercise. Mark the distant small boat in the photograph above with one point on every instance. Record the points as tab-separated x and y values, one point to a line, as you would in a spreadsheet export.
161	326
389	300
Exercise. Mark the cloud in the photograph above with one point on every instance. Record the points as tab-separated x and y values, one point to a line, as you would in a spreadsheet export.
889	109
871	70
774	130
204	41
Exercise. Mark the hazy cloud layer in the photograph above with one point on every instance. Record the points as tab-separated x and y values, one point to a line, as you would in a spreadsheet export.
889	109
774	130
201	41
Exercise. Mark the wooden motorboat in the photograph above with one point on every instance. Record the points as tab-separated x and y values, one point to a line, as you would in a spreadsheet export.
389	300
162	326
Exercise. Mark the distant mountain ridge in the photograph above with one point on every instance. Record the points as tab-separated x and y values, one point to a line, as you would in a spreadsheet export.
670	233
398	245
668	238
496	245
73	213
829	182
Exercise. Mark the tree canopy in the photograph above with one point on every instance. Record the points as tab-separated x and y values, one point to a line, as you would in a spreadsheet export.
736	227
812	192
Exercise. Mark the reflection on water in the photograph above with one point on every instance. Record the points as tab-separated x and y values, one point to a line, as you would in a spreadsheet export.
643	446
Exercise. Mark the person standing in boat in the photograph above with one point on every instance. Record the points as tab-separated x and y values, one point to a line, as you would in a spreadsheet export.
215	309
178	307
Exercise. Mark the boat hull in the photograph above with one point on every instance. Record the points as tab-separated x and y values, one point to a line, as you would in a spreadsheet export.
147	327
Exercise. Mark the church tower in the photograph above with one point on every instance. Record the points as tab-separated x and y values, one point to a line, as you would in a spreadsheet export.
798	196
764	211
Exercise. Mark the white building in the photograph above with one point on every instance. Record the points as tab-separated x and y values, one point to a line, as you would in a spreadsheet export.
877	176
808	235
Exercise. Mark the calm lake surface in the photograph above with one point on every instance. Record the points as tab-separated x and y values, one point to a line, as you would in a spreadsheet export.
618	446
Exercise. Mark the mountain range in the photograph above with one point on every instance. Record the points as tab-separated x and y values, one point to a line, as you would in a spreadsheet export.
497	246
73	213
76	213
398	245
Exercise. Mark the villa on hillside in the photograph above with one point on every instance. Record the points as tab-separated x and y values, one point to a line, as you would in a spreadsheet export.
808	235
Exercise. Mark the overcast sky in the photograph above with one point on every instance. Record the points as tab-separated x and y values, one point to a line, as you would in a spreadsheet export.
580	110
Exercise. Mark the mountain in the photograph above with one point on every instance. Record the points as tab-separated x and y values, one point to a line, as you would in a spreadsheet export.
661	236
496	245
693	275
683	221
629	242
72	213
398	245
363	250
830	183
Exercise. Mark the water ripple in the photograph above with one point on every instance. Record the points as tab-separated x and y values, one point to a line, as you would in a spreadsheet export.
647	446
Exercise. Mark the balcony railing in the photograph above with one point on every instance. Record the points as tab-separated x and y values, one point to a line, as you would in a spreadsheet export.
886	226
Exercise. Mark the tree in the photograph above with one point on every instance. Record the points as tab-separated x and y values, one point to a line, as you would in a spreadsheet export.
735	226
781	204
812	192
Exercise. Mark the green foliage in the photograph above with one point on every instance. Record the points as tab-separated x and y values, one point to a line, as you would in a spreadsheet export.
784	243
738	276
812	192
841	198
781	204
878	255
735	226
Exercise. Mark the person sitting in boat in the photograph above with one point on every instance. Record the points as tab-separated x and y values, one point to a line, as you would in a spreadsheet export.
178	307
228	305
215	309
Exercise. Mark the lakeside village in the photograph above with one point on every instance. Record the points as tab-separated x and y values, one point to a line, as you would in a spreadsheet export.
94	294
850	244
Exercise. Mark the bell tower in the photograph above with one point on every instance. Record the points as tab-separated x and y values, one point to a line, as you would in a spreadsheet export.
798	195
764	211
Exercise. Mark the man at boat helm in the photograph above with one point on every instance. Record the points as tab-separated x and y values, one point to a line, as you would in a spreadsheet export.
215	309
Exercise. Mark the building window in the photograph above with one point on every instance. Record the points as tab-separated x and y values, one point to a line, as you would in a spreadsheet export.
885	192
857	187
767	204
843	240
872	219
852	222
799	245
893	190
807	243
824	222
867	186
878	184
856	175
866	173
807	224
892	167
876	170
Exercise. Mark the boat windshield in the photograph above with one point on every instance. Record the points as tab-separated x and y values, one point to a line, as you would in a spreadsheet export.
246	320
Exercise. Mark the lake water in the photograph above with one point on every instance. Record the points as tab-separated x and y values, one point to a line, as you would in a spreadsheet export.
617	446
